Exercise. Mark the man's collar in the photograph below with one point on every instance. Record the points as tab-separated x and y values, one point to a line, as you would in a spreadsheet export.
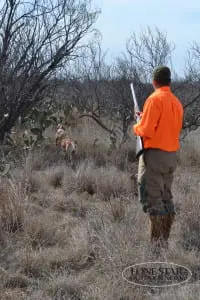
165	88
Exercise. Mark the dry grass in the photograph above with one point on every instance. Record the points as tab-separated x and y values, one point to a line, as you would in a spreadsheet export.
118	209
102	181
10	294
12	206
69	233
190	154
56	178
43	231
75	256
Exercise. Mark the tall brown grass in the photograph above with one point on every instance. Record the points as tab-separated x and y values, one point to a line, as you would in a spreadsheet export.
12	205
69	233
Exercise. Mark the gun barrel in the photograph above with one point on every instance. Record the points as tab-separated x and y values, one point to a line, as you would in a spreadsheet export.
134	97
139	142
135	101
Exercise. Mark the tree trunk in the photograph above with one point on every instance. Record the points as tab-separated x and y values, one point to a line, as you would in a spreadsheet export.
2	135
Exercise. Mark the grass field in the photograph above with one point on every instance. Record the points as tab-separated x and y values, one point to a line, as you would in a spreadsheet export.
69	233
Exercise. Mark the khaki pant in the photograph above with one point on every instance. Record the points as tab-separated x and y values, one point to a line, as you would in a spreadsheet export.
155	176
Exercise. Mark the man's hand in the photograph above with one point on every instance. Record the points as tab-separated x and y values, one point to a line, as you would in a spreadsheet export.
137	115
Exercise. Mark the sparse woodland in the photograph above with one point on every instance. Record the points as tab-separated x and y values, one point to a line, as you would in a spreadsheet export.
67	233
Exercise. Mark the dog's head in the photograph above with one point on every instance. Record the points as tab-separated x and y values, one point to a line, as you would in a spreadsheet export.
60	133
75	146
60	126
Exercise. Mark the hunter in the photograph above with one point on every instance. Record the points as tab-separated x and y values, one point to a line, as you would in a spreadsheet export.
159	126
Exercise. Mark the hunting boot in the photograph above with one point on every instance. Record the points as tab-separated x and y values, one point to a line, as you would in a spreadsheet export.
156	235
156	230
2	238
167	222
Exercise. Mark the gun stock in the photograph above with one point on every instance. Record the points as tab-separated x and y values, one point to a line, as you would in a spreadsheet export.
139	141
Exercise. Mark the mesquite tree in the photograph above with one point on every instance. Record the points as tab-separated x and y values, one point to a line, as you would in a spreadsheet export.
37	38
190	92
147	50
144	51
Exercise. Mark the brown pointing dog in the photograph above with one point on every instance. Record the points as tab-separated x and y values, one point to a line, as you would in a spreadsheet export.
69	145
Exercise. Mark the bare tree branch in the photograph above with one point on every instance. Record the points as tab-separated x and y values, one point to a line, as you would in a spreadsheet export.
147	50
37	39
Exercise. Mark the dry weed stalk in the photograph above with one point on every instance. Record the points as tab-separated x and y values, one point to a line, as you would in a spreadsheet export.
12	205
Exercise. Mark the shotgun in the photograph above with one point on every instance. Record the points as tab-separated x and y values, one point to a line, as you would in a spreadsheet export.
139	142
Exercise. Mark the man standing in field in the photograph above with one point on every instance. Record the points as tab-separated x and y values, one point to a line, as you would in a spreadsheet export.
159	126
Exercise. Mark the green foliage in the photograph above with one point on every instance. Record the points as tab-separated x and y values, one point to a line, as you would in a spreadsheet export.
38	121
4	164
70	113
67	109
29	141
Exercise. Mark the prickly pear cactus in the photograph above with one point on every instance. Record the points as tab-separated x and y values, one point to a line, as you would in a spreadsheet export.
4	165
38	121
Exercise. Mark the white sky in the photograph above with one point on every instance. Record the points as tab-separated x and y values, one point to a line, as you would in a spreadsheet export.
179	19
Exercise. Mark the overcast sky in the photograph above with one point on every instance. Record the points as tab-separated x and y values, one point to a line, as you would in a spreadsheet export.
180	19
